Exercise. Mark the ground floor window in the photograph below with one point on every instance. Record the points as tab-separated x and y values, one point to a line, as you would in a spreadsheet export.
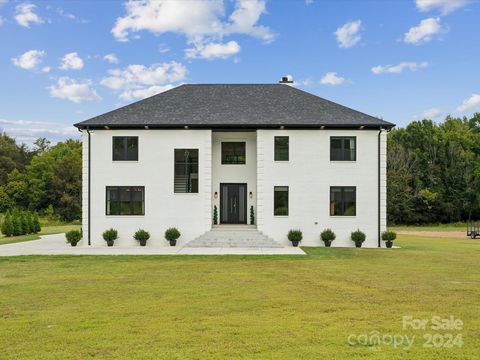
343	201
125	200
280	200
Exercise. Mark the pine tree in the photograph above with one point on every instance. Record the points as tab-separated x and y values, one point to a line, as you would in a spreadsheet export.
31	223
7	229
24	223
16	224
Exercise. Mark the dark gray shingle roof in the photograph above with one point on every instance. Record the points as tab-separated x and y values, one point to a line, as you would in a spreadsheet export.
234	105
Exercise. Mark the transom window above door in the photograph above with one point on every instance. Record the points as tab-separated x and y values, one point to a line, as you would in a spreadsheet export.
233	153
125	148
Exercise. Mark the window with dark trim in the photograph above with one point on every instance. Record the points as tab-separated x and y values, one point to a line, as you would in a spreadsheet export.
186	171
125	148
281	148
343	200
233	153
280	200
125	200
343	148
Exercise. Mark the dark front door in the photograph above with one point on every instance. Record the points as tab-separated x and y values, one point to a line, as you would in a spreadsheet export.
233	203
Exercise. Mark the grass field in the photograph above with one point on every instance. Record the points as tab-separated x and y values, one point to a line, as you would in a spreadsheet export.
240	307
46	230
459	226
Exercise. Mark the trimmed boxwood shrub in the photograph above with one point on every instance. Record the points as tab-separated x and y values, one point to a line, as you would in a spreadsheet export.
110	235
389	235
295	235
358	237
141	235
172	234
73	236
327	235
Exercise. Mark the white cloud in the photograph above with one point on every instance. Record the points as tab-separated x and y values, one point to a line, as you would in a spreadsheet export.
24	15
2	20
348	35
163	48
29	60
431	113
76	91
397	69
470	103
203	23
129	95
331	78
424	32
71	61
138	81
46	69
445	6
111	58
213	51
27	131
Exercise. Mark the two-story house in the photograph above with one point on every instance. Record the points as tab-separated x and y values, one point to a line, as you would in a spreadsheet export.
270	153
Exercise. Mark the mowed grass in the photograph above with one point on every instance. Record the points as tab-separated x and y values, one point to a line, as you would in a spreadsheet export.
458	226
46	230
158	307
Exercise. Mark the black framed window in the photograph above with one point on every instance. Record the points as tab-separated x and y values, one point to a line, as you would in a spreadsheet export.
343	201
281	148
343	148
125	148
125	200
233	153
186	171
280	200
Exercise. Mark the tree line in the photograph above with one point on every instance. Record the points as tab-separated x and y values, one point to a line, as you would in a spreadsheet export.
433	174
46	179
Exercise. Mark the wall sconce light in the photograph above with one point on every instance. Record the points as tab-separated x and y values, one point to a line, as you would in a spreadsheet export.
215	194
250	195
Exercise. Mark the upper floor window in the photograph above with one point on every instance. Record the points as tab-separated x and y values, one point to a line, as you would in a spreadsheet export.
125	148
343	148
186	171
233	153
281	148
125	200
343	200
280	200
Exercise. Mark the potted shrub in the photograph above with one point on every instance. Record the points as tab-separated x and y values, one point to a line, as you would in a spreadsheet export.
142	236
327	237
295	236
388	237
172	235
73	237
358	237
110	236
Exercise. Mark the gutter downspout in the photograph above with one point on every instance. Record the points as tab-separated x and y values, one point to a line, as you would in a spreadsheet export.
379	192
89	182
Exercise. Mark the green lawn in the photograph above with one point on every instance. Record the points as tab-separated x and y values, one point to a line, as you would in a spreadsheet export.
168	307
459	226
55	229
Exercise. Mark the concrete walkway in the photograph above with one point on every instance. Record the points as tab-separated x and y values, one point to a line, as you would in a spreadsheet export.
56	245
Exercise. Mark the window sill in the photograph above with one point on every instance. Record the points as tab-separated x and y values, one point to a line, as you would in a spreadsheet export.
185	193
343	216
125	216
343	161
281	161
125	161
280	216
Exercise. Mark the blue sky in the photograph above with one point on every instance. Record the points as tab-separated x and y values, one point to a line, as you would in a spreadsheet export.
66	61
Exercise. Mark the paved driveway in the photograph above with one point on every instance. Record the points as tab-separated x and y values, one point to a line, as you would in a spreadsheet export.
56	245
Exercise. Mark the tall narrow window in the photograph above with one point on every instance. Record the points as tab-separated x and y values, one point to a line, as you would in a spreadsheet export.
281	148
343	201
186	171
280	200
125	200
125	148
233	153
343	148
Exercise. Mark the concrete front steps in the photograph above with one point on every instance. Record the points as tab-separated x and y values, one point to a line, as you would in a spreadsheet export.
234	236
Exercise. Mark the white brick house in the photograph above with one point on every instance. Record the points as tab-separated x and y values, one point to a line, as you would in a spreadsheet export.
299	161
